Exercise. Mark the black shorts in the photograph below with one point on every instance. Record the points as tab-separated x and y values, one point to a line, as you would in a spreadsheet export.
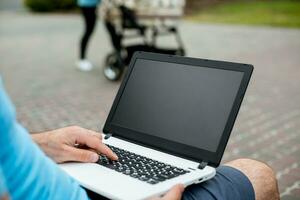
229	183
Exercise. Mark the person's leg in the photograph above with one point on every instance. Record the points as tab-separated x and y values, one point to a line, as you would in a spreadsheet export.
261	176
238	179
89	14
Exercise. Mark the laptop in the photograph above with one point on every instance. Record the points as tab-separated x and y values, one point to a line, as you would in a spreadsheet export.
169	123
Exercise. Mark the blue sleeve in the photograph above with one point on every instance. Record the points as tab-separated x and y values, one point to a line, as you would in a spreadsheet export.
27	171
3	188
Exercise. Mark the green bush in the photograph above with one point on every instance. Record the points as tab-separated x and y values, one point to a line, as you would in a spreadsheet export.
50	5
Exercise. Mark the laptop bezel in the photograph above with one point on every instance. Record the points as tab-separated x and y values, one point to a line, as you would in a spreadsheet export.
191	153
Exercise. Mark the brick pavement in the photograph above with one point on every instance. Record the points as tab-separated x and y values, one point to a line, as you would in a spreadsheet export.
37	64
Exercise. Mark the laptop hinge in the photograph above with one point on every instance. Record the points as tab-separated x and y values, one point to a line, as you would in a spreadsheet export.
108	135
202	165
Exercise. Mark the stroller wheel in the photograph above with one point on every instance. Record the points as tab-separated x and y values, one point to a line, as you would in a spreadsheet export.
113	69
112	73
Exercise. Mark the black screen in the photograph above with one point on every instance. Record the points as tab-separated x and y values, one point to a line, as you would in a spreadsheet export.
181	103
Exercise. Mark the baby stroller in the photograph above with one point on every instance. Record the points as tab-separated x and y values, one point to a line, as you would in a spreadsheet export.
135	25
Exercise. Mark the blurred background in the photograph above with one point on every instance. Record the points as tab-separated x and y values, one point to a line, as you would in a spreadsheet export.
39	49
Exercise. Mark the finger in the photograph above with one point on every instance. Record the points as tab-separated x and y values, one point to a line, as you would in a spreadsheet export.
108	152
96	143
80	155
174	193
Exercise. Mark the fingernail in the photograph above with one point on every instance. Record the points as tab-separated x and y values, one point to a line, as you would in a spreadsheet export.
94	157
116	157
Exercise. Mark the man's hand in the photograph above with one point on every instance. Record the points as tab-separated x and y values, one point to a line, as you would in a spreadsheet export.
73	144
175	193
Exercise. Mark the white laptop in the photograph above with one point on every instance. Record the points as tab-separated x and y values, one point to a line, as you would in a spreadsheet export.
169	123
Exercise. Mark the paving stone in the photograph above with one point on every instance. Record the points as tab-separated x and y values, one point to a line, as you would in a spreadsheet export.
290	197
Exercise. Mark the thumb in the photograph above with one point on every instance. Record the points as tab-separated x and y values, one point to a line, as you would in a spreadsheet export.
174	193
80	155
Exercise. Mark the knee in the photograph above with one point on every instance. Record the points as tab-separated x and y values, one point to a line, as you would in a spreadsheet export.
252	167
260	175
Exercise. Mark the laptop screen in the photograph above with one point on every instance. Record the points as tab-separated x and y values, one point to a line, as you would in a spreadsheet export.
186	104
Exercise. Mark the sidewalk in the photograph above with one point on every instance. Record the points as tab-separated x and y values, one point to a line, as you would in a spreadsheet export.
38	53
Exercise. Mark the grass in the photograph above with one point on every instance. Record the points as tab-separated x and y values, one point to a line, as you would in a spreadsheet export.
278	13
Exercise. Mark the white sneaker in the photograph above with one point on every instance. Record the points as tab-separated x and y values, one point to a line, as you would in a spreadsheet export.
84	65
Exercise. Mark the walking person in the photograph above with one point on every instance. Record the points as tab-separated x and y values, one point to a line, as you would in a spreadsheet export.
88	10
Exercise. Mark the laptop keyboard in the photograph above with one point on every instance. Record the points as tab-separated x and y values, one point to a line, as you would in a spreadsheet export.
140	167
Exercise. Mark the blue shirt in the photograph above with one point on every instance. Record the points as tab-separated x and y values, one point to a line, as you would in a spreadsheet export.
25	171
88	3
3	189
